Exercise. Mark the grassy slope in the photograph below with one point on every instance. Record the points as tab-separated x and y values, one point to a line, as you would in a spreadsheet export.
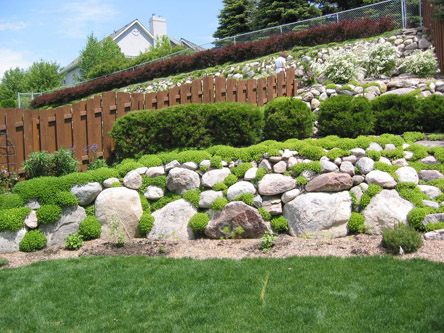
374	294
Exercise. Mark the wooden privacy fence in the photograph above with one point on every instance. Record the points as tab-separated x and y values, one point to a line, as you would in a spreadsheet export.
436	29
86	123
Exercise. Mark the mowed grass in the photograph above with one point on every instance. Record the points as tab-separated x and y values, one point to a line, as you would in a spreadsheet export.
140	294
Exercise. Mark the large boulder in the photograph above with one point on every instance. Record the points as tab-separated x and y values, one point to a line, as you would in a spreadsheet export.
330	182
171	221
207	198
407	174
385	210
319	214
432	191
427	175
237	214
181	180
68	223
212	177
10	240
240	188
381	178
133	180
118	204
273	184
365	165
86	193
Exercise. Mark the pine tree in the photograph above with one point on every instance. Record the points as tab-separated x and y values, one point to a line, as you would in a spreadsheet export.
235	18
439	9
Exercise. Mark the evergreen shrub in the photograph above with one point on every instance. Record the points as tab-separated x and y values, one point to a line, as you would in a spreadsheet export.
10	200
146	223
34	240
279	224
401	237
198	223
90	228
432	113
287	118
48	214
13	219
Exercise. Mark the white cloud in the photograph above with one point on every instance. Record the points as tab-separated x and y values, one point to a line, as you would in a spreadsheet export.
12	59
81	14
14	26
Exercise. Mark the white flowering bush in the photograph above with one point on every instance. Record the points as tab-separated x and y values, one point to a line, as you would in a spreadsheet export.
422	63
340	67
380	58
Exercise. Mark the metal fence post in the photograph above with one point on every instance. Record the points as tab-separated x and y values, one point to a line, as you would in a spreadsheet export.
18	98
234	41
403	14
337	18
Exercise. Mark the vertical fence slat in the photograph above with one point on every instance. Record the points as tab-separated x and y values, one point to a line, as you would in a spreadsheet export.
280	84
137	101
290	82
28	130
93	123
242	91
231	90
79	128
3	142
185	93
208	89
123	104
252	91
196	91
261	92
174	96
109	108
162	99
63	127
14	129
221	89
271	88
151	101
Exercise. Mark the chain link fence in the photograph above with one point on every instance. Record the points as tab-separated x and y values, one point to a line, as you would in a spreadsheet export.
405	13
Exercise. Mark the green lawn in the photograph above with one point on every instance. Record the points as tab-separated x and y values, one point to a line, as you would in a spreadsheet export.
139	294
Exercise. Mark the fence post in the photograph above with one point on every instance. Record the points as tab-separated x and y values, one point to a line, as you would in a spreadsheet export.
403	14
337	18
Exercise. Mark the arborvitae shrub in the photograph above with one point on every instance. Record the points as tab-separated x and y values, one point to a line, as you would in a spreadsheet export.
198	223
396	114
48	214
90	228
403	237
287	118
279	224
432	113
346	116
146	223
34	240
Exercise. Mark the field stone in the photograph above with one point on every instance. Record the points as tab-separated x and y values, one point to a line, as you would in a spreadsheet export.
86	193
374	147
290	195
327	166
272	204
347	167
31	221
385	210
250	174
68	223
207	198
172	165
257	201
434	235
380	178
155	172
180	180
330	182
153	193
320	214
433	218
212	177
432	191
121	204
107	183
432	204
365	165
240	188
171	221
133	180
407	174
237	214
273	184
10	240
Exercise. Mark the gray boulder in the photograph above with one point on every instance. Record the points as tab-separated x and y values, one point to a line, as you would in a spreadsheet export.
327	166
385	210
319	214
237	214
107	183
407	174
290	195
273	184
433	218
86	193
181	180
57	232
431	191
153	193
434	235
212	177
207	198
240	188
133	180
427	175
171	221
380	178
118	204
10	240
365	165
155	171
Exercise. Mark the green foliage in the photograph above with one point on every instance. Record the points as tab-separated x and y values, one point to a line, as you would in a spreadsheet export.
356	223
401	237
220	187
438	152
150	161
116	184
234	18
3	262
41	163
413	136
216	162
419	152
232	179
396	114
169	197
311	152
393	154
193	197
265	215
373	189
198	223
261	172
34	240
386	167
301	181
246	198
412	193
416	217
159	181
10	200
337	152
117	232
124	168
435	137
346	116
279	224
239	171
144	202
74	241
146	223
48	214
43	189
434	226
65	198
373	154
90	228
421	63
219	204
299	167
267	240
12	219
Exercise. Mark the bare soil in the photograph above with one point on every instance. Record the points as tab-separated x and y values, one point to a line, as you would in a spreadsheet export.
285	246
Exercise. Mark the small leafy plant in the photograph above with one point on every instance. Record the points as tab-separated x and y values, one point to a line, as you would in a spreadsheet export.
74	241
233	234
117	232
267	241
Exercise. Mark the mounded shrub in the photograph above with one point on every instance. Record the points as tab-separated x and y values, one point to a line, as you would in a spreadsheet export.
219	204
34	240
48	214
90	228
246	198
356	223
193	197
432	111
187	125
41	163
198	223
279	224
13	219
287	118
146	223
396	114
401	237
65	198
417	215
10	200
346	116
238	171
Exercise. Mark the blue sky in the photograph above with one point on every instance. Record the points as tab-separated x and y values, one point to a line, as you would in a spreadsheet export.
56	30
